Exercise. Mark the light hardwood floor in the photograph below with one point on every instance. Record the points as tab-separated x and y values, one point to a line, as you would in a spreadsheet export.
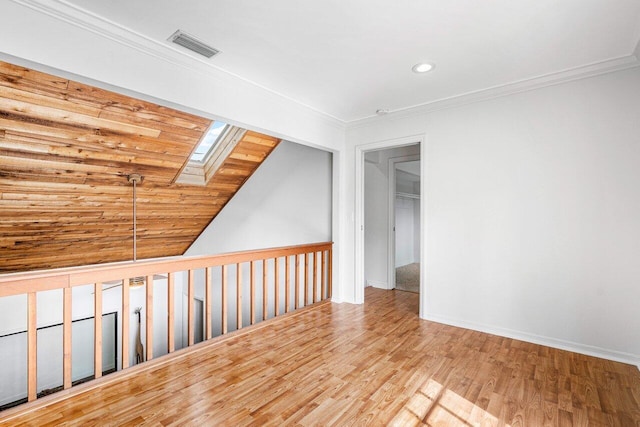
375	364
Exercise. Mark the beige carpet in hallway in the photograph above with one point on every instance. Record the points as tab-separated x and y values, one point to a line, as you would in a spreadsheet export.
408	277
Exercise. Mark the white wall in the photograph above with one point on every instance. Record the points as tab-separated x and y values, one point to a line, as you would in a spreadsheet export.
376	219
407	218
532	207
405	181
407	234
376	214
287	201
416	223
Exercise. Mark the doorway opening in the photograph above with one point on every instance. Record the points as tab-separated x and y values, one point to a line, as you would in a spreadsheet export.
404	220
376	214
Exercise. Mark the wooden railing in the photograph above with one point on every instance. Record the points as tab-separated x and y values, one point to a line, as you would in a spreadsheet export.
306	280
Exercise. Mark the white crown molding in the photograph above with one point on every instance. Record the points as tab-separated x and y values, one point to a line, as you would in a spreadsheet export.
578	73
81	18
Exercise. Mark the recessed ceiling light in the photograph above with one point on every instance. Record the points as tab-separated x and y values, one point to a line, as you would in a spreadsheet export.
422	67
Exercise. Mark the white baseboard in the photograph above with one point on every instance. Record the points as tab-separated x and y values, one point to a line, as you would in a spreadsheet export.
377	284
617	356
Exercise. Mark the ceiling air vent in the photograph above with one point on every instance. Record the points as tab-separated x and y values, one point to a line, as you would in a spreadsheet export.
193	44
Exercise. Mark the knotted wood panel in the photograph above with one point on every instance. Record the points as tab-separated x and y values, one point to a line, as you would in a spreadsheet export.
66	149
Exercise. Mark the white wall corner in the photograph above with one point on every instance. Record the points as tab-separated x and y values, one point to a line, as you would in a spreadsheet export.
636	53
616	356
378	284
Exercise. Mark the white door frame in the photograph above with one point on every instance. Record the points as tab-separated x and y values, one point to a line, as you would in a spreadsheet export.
360	151
391	239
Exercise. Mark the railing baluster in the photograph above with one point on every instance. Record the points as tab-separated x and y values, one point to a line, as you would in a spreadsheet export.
32	347
190	310
323	276
238	296
224	299
125	323
149	317
276	284
322	283
297	283
315	277
264	289
306	279
287	292
97	330
66	338
171	313
330	272
207	302
252	279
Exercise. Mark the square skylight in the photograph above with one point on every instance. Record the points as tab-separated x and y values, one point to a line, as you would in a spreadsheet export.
208	141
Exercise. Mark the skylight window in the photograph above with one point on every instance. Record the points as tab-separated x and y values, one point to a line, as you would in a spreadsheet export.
208	141
214	147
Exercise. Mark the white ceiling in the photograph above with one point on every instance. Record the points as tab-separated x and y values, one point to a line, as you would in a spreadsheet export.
348	58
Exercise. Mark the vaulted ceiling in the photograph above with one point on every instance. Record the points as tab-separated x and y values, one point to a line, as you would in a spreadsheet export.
66	150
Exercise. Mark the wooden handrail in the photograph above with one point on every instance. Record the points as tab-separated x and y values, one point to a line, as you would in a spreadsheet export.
30	283
46	280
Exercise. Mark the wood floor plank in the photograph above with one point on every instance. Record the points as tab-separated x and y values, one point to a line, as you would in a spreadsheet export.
371	364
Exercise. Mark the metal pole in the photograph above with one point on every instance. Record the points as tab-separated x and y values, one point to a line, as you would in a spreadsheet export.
135	179
135	231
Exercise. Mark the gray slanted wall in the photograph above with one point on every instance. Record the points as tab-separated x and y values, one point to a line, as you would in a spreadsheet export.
287	201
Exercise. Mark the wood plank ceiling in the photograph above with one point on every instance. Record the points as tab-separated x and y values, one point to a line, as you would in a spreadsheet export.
66	149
